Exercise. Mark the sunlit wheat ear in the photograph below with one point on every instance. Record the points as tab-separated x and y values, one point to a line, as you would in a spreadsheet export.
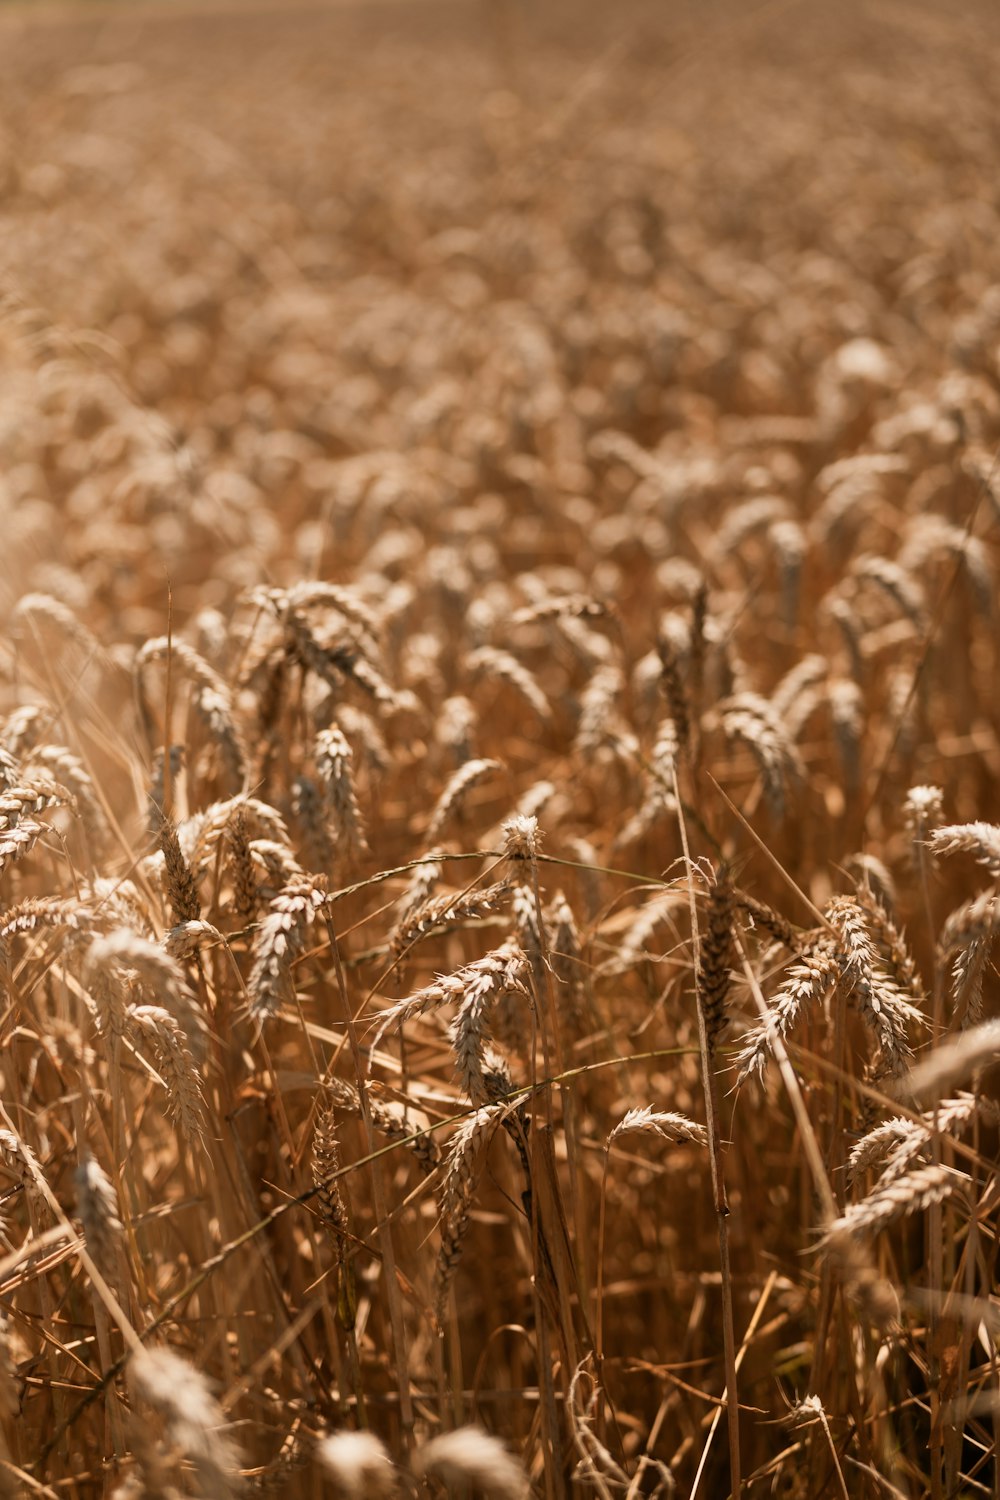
398	1122
981	840
455	727
658	799
97	1205
175	1065
107	994
790	545
474	988
807	983
448	910
16	842
470	1031
847	715
365	737
202	833
522	844
334	760
159	976
278	868
749	518
835	607
461	1174
566	957
968	975
896	1144
637	940
211	701
69	771
878	998
19	829
19	1159
564	606
357	1466
954	1059
72	916
967	938
490	663
751	718
526	926
873	880
891	941
457	789
33	612
187	939
347	602
11	1385
879	1144
469	1456
799	693
424	878
907	1194
336	655
664	1123
278	941
185	659
325	1168
601	731
895	582
195	1422
931	536
213	711
30	794
949	1117
922	810
24	730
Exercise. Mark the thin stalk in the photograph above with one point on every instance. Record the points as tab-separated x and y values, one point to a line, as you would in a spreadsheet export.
710	1084
935	1219
378	1193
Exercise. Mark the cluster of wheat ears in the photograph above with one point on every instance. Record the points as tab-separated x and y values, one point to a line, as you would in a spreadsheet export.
499	757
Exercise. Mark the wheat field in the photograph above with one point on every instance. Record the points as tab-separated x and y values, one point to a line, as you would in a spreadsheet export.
499	750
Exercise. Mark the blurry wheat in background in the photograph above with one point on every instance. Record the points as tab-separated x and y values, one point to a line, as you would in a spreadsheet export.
499	824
